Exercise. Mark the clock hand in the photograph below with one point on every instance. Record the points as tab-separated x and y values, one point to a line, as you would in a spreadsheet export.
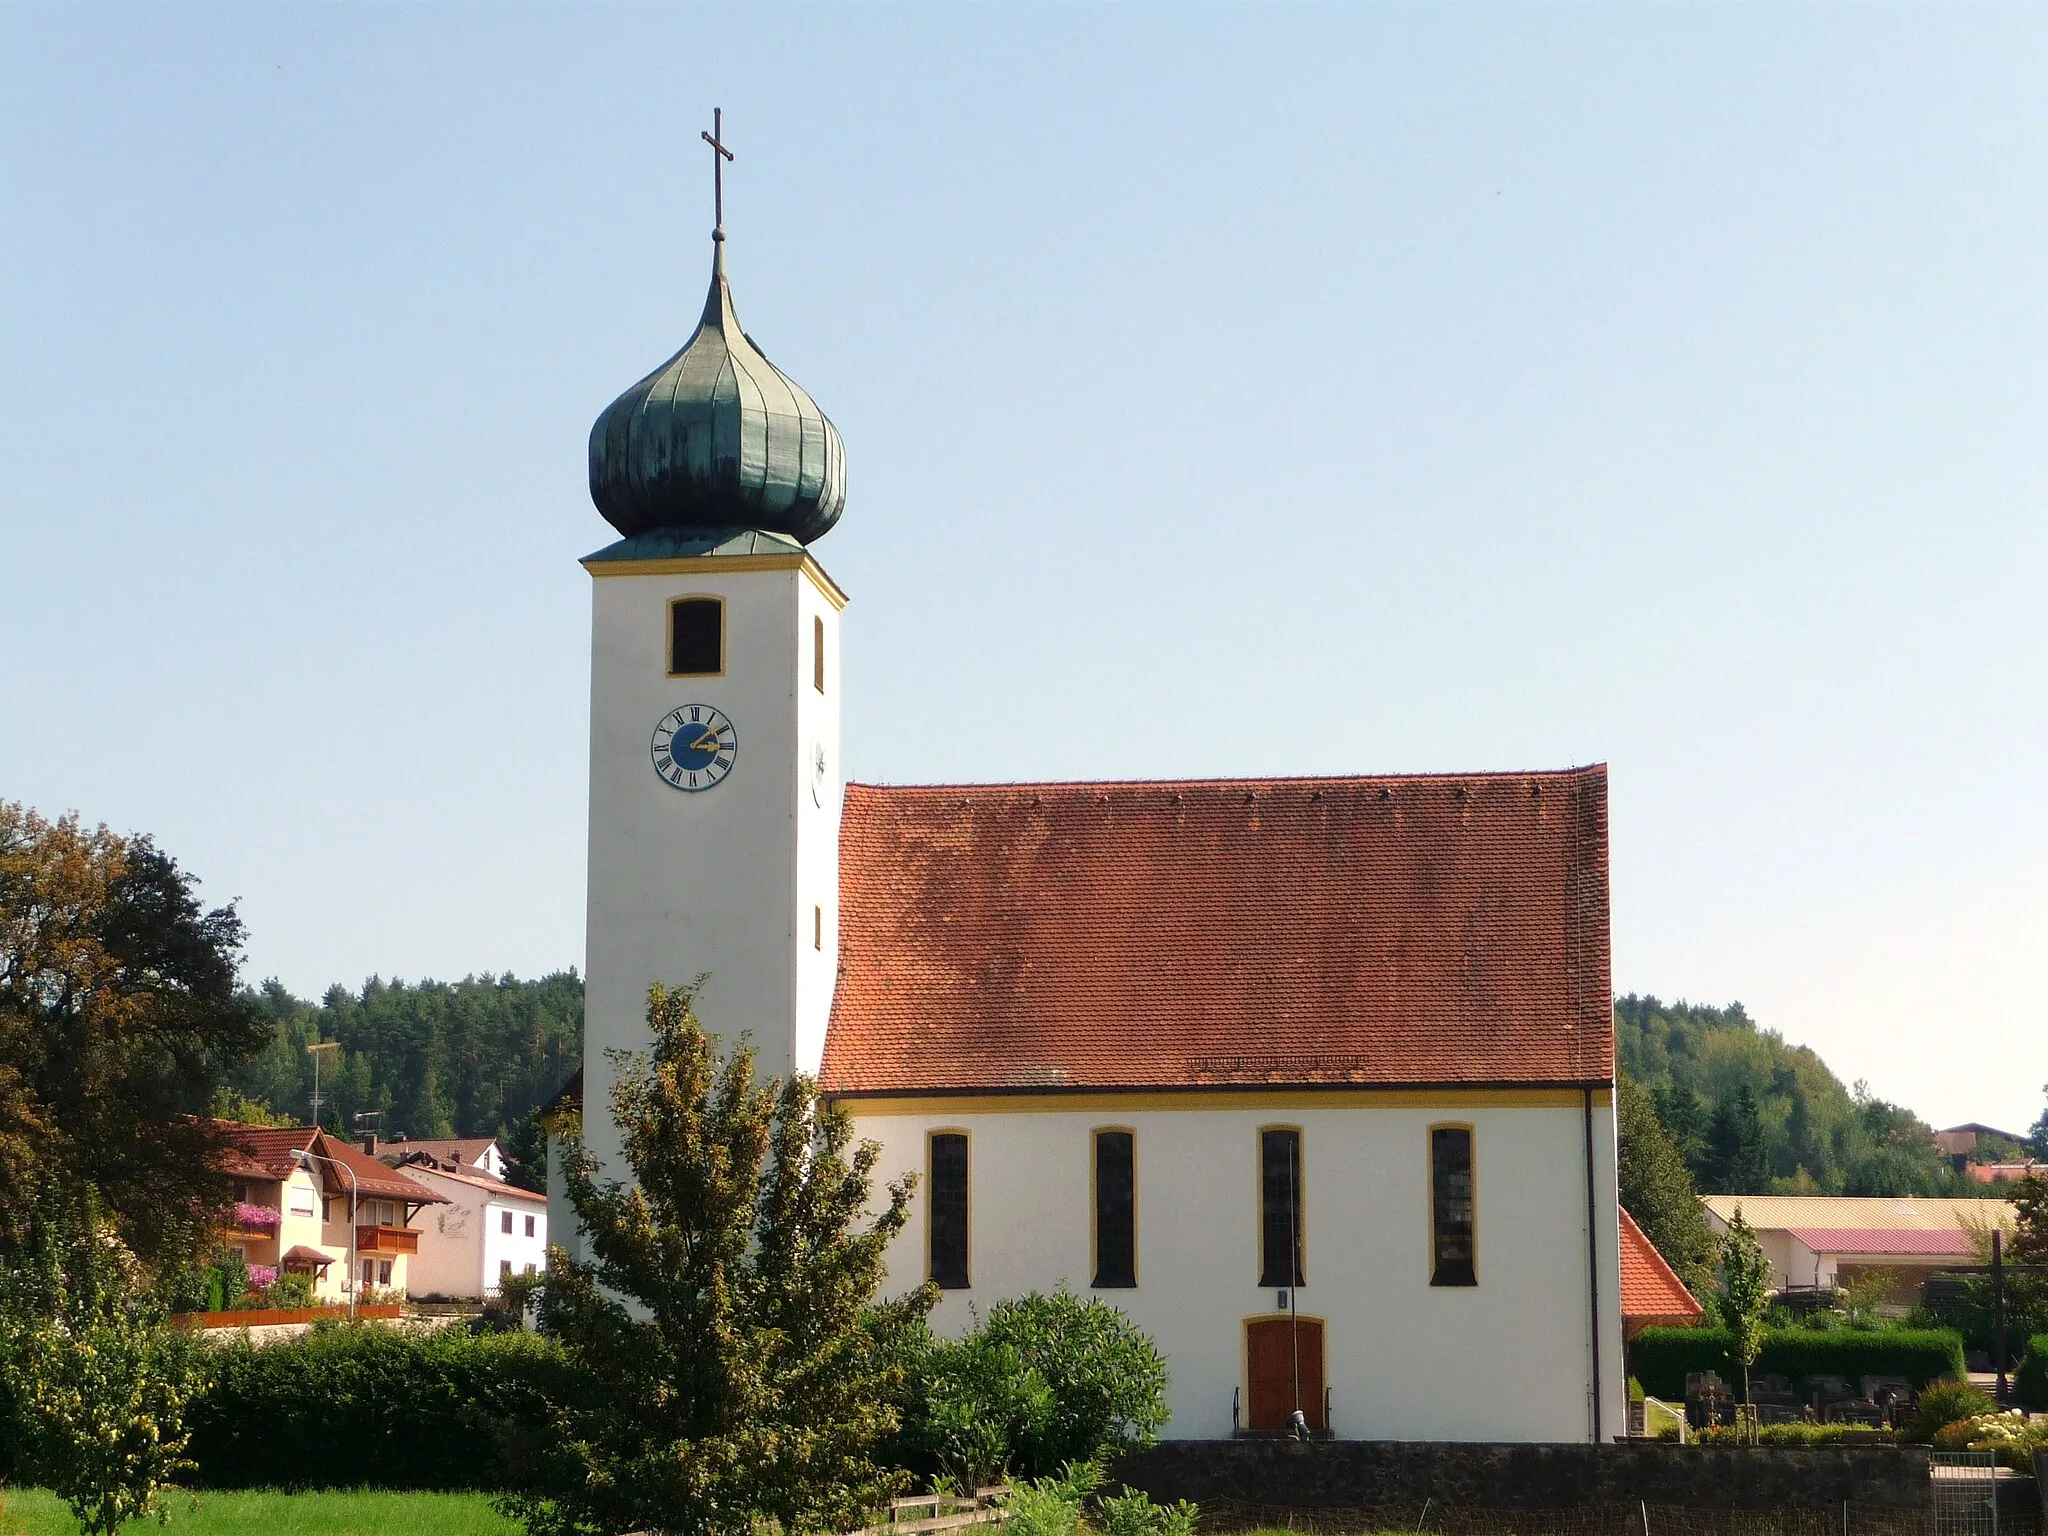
708	742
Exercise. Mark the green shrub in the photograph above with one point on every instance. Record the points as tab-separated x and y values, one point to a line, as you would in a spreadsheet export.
1044	1381
372	1406
2031	1385
1663	1357
1051	1506
1796	1434
1134	1514
1946	1403
2007	1435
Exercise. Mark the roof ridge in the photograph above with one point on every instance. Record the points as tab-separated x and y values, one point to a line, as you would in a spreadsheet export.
1481	775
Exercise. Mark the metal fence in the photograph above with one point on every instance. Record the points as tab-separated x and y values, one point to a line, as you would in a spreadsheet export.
1965	1493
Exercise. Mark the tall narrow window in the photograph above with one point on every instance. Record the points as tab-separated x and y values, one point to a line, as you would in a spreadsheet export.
696	637
1116	1210
948	1210
1453	1230
818	653
1280	1248
817	927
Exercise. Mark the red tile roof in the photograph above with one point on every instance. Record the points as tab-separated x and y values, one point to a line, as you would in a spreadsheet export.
265	1152
1651	1291
1955	1243
1440	930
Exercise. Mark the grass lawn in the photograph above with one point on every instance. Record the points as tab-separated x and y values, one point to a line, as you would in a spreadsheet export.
267	1512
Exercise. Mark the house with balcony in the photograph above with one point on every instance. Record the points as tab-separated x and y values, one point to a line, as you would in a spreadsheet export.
313	1204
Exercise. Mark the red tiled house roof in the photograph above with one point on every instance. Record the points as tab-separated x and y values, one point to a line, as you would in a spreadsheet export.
265	1152
1651	1292
1441	930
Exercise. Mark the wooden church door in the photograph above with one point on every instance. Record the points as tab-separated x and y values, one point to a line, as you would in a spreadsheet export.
1272	1346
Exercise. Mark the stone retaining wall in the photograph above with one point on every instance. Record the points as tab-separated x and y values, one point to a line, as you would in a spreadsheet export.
1379	1474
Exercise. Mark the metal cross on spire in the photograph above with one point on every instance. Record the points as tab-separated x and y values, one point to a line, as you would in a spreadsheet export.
719	155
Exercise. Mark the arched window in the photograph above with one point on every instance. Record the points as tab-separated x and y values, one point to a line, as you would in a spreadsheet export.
1280	1224
696	637
1116	1209
1453	1207
946	1210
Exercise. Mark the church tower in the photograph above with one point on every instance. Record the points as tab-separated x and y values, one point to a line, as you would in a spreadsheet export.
714	704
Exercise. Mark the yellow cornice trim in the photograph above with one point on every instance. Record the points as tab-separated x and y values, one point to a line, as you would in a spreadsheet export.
719	565
1265	1101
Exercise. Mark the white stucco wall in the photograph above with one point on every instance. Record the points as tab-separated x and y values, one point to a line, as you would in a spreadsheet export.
723	881
1509	1359
462	1242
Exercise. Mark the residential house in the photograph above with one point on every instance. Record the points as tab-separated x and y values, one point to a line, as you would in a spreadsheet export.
1652	1295
1965	1144
313	1204
484	1230
481	1153
1822	1241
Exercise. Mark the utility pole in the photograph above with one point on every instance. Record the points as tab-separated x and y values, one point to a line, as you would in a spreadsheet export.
314	1050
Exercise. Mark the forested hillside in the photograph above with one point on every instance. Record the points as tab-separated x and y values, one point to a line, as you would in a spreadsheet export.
474	1057
1748	1113
1753	1115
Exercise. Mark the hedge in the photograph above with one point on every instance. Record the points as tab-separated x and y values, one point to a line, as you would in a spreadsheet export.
368	1406
1663	1357
2031	1385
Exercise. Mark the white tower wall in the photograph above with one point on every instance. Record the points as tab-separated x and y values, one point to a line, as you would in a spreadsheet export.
738	882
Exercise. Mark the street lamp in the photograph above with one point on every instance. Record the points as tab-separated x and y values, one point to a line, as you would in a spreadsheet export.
305	1155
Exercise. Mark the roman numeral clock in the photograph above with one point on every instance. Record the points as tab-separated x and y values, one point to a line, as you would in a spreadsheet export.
711	619
694	747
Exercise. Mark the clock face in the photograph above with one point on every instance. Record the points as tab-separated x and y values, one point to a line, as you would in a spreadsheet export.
694	747
819	770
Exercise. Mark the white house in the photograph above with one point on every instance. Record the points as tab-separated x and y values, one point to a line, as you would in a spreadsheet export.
1312	1077
1822	1241
481	1153
487	1230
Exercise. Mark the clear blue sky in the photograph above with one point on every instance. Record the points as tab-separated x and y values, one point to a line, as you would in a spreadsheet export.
1226	391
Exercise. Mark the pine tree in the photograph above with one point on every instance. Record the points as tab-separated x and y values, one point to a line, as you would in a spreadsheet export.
1657	1189
740	1368
1737	1161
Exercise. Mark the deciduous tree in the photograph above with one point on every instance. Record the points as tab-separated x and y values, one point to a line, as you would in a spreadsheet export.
726	1320
99	1382
118	1017
1745	1293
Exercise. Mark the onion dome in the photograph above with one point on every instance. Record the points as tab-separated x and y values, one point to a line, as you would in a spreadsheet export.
719	438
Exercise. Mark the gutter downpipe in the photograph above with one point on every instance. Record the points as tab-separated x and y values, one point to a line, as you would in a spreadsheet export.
1592	1263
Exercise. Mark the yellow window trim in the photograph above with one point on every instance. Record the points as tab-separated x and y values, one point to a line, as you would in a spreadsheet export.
669	640
1300	1196
1095	1206
1429	1184
968	1136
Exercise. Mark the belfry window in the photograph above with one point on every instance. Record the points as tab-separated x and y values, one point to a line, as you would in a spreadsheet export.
1280	1246
696	637
1116	1210
947	1210
1453	1227
818	653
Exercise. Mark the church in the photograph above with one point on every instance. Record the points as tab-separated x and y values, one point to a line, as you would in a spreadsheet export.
1312	1077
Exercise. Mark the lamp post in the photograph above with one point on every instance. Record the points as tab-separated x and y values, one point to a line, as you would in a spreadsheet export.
304	1155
